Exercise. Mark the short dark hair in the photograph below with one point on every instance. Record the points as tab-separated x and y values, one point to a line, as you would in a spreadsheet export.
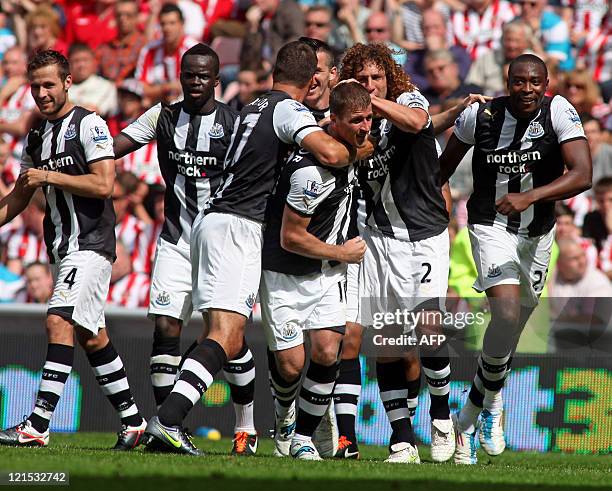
320	46
168	8
296	63
50	57
37	263
604	185
530	59
562	210
347	97
201	49
78	48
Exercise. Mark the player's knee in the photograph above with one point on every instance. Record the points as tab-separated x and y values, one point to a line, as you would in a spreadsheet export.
167	327
289	369
92	343
326	356
58	329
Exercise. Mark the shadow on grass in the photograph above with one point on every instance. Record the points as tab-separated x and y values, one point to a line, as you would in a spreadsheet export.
219	481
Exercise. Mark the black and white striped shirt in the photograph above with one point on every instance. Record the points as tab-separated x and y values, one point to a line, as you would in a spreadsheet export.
515	155
322	193
267	130
400	181
191	149
70	145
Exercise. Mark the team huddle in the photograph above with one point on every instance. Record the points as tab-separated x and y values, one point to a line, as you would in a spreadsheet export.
328	198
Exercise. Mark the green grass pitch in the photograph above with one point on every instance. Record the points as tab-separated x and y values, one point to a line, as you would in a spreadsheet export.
91	466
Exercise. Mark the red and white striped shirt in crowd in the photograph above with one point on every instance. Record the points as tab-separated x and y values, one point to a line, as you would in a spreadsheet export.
143	164
587	14
590	250
25	245
12	109
10	171
479	33
155	66
580	205
596	53
130	291
139	239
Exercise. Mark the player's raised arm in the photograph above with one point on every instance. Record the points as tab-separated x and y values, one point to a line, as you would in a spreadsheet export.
444	120
406	118
459	143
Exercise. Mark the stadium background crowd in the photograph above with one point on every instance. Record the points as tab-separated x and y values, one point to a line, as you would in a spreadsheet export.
125	55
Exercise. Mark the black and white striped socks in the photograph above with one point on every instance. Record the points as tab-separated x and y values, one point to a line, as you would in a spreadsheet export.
110	374
240	375
315	396
196	375
165	360
56	370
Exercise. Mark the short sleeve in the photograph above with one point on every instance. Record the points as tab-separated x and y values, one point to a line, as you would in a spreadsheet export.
26	160
309	186
96	139
565	120
413	99
143	130
293	121
465	124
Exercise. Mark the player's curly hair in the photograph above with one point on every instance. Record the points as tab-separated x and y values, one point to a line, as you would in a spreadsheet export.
380	54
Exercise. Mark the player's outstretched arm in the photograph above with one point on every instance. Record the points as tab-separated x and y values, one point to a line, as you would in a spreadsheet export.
296	238
454	151
408	119
327	150
577	158
97	184
122	145
15	202
443	121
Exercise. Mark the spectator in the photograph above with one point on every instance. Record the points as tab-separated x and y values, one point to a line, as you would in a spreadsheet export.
17	107
271	24
552	32
12	286
488	70
128	288
601	152
436	37
193	16
598	223
568	230
7	38
135	234
318	22
584	17
378	30
117	58
43	31
443	77
159	65
247	89
351	18
27	244
580	301
143	163
596	52
90	23
39	282
88	89
478	28
412	12
581	90
574	278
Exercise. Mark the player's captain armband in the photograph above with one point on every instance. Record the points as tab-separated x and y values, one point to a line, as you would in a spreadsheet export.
465	124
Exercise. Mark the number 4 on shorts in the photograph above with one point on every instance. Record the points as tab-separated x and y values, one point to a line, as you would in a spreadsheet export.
70	278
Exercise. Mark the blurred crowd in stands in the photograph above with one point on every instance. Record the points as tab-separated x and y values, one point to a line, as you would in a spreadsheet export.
125	57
